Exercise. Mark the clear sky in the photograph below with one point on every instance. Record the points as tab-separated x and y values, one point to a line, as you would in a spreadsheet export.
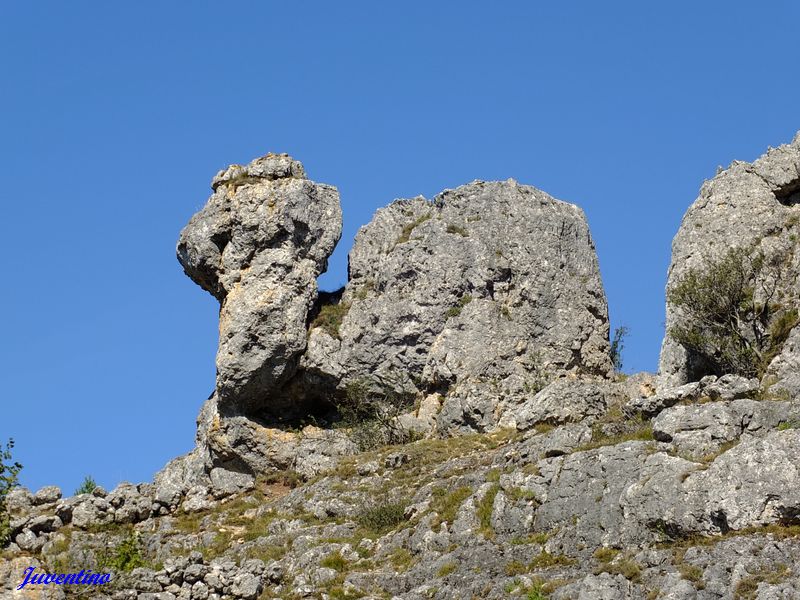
115	116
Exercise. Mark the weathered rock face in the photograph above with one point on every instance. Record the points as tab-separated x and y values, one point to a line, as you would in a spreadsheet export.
745	205
473	300
258	246
480	294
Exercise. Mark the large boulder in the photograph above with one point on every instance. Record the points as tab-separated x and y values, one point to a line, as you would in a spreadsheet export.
258	245
481	295
751	206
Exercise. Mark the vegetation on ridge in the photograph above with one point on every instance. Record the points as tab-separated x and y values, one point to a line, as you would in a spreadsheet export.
736	314
9	473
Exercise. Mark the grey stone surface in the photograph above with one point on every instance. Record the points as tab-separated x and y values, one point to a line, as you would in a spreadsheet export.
564	465
434	297
732	387
783	375
650	406
567	401
746	204
703	429
92	512
226	483
47	495
18	500
130	506
258	246
600	587
756	483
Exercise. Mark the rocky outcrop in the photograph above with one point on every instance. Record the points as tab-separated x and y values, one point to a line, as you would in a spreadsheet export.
482	295
485	306
565	512
258	246
748	206
438	306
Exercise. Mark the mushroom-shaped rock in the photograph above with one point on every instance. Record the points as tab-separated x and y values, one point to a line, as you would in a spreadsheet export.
258	245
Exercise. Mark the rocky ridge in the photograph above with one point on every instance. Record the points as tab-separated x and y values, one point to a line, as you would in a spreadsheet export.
540	474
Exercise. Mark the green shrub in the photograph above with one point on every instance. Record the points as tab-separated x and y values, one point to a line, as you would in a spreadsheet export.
515	568
617	344
383	517
455	229
627	567
454	311
128	555
370	411
330	317
544	560
536	593
405	234
735	320
485	509
747	588
9	474
605	555
287	478
334	561
87	487
446	504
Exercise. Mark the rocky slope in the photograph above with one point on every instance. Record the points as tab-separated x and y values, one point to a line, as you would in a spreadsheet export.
528	469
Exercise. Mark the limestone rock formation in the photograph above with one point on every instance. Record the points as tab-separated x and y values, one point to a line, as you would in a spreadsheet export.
258	246
473	301
746	205
581	487
481	294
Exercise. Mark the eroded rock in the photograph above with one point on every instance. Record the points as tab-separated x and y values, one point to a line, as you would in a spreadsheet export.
258	245
747	205
435	300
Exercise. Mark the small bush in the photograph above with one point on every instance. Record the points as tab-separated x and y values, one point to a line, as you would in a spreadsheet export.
627	567
330	317
454	311
691	572
515	568
446	569
455	229
446	504
9	477
128	555
401	559
617	344
735	320
405	234
485	509
383	517
747	588
334	561
605	555
370	411
287	478
545	560
643	433
87	487
537	592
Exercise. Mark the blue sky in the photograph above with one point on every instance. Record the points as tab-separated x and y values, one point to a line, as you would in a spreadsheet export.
115	116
